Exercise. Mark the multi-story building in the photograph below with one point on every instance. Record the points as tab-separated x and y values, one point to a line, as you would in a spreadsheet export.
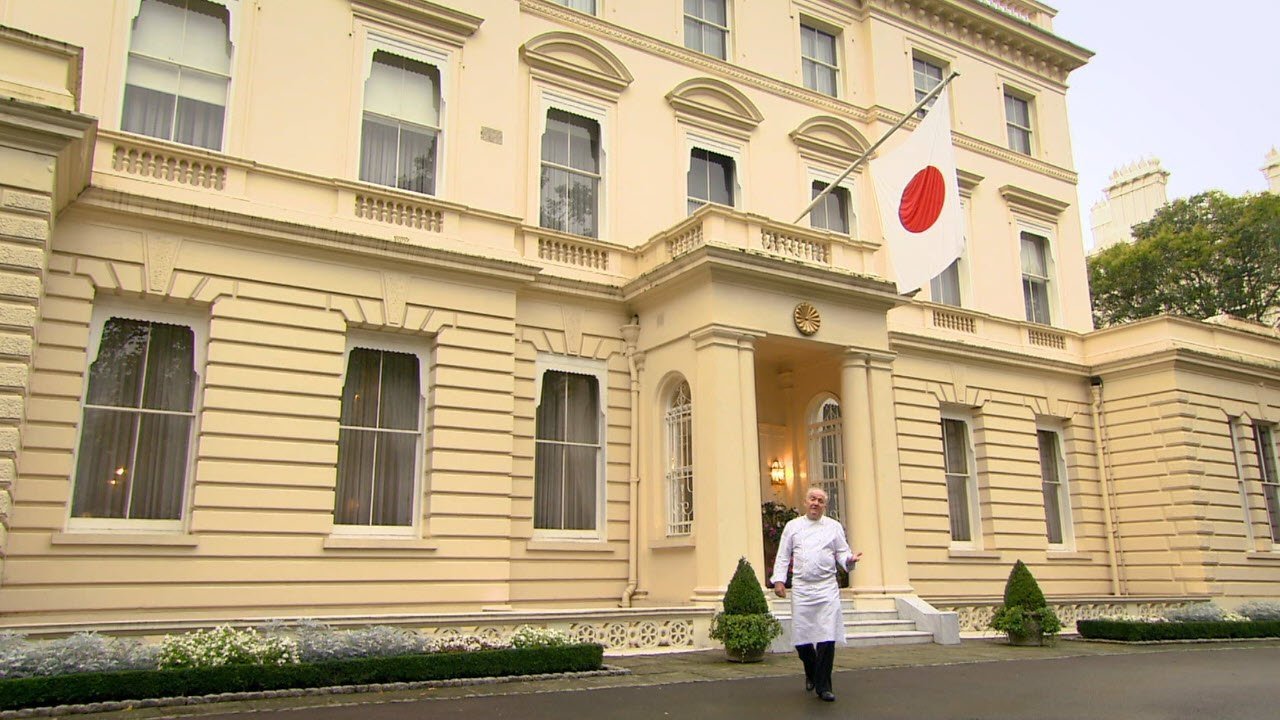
485	312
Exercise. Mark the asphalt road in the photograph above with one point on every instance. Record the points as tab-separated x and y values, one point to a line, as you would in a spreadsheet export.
1205	684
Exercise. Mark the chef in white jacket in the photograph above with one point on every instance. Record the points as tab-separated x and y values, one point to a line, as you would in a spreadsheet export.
812	546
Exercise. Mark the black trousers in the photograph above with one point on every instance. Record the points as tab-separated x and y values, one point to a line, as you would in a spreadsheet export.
818	659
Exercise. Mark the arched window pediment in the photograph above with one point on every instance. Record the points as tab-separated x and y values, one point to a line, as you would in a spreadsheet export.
578	58
830	138
717	102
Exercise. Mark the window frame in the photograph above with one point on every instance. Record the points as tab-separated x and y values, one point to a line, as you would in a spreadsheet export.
819	28
134	9
417	50
364	340
599	370
818	428
718	147
594	11
848	185
105	309
1047	280
1268	479
961	265
1011	127
974	518
1066	525
548	99
704	24
679	471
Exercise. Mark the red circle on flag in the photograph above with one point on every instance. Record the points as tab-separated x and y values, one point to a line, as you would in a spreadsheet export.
922	200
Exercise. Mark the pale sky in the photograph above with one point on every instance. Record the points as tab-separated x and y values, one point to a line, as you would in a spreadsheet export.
1193	84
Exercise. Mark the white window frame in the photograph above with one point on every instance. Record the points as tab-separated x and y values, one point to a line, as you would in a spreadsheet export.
233	20
1029	129
808	23
1264	444
417	50
1066	526
549	99
817	431
595	6
599	370
970	480
826	177
383	343
103	310
1048	279
715	145
678	422
917	92
727	29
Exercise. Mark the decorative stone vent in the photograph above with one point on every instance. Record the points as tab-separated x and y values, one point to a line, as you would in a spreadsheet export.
1047	339
169	167
396	212
799	248
953	321
685	242
570	253
614	635
976	618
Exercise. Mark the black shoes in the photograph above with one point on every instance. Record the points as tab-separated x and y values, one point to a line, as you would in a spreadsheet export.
827	696
808	685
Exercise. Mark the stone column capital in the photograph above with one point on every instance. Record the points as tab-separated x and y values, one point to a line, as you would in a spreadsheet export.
716	334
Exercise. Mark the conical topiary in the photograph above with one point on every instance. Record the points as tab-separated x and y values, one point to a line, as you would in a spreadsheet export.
744	595
1022	590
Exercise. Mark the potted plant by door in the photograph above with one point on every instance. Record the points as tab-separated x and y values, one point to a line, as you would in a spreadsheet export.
745	626
1025	617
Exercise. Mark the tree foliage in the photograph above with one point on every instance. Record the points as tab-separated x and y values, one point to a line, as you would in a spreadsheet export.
1198	257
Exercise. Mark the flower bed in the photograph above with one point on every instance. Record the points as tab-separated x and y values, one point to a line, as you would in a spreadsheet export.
80	688
90	668
1202	621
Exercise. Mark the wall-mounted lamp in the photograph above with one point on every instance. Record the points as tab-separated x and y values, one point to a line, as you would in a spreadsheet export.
777	473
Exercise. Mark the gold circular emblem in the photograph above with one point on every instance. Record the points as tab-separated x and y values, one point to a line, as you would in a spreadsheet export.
807	318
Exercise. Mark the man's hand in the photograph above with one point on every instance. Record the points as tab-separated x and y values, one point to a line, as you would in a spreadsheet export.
780	590
848	565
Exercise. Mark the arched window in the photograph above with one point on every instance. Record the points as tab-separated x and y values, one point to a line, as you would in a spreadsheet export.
679	464
826	454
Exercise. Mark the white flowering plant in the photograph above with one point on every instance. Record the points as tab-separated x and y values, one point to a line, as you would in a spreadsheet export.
527	636
225	645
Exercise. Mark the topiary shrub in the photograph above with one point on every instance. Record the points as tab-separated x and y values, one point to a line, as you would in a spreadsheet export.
1025	617
745	626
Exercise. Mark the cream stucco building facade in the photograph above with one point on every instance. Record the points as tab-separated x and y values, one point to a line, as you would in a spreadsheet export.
471	313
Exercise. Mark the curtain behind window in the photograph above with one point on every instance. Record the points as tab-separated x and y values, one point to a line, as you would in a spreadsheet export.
179	69
138	415
567	453
400	130
379	428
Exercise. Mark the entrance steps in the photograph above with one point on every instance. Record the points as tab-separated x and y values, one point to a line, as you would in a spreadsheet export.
868	628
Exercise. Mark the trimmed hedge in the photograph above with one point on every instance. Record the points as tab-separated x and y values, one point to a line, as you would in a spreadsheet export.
1203	630
81	688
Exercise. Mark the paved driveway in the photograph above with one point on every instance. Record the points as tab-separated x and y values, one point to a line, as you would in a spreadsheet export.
1195	683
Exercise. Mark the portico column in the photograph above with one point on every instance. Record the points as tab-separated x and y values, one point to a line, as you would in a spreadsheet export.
726	499
884	439
861	503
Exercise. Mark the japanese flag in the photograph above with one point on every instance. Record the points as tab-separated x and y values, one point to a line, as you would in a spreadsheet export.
919	201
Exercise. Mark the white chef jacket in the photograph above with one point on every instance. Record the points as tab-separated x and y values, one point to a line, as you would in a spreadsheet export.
813	549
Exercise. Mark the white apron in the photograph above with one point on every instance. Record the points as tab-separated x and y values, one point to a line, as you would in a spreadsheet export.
812	549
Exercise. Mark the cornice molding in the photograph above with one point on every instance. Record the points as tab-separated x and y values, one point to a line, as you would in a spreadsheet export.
1031	203
428	17
716	102
578	58
992	32
402	254
829	137
908	344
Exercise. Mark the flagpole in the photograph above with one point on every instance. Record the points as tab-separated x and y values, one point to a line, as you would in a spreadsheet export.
919	106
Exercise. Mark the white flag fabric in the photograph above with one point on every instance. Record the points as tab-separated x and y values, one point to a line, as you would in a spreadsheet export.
919	200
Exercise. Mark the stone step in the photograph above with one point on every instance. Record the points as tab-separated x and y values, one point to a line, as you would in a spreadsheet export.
888	625
872	639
